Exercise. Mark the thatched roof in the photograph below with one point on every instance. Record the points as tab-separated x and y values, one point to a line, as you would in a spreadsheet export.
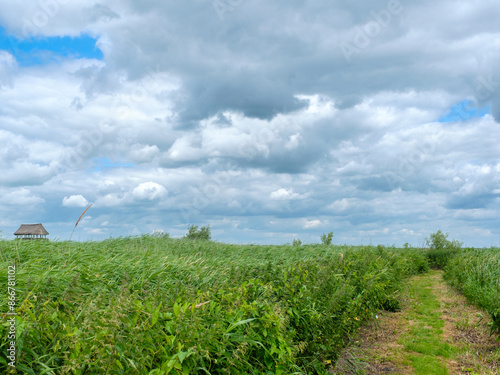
27	229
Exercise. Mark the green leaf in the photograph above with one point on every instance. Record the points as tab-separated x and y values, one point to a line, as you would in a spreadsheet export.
183	355
241	322
269	362
138	305
177	309
156	313
119	364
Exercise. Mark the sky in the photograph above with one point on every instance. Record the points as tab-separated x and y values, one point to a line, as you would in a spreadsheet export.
272	121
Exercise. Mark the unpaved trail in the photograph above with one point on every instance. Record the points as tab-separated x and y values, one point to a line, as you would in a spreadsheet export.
436	332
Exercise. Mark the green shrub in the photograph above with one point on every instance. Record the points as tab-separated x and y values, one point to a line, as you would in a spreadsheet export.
326	239
202	233
440	249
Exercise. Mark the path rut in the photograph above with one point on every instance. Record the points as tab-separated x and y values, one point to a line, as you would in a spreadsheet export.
436	332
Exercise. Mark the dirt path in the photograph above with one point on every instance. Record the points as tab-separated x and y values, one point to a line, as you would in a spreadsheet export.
436	332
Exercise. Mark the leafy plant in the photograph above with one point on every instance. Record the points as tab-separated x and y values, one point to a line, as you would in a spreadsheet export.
296	242
202	233
441	249
326	239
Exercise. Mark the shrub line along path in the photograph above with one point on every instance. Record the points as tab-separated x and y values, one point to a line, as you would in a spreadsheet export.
436	332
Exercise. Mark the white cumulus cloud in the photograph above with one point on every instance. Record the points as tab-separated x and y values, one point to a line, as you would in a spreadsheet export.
149	191
309	224
286	194
75	201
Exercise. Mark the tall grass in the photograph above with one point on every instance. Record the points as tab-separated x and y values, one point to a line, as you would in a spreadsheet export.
476	273
152	305
80	218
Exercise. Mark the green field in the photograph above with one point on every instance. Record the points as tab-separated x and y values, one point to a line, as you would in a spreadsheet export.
155	305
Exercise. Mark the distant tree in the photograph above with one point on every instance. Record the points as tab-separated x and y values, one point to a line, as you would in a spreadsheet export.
296	242
441	250
326	239
439	241
195	233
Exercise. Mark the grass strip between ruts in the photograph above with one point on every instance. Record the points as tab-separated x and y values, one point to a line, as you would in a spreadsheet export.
425	348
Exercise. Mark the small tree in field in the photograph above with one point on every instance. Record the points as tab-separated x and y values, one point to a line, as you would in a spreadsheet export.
202	233
439	241
326	239
441	249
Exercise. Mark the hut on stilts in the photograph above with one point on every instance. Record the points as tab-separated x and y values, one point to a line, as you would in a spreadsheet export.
31	232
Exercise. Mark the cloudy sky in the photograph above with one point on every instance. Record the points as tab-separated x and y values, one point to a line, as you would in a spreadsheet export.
268	120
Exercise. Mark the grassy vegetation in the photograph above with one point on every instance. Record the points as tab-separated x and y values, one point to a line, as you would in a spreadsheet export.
154	305
473	272
440	249
424	339
437	331
476	273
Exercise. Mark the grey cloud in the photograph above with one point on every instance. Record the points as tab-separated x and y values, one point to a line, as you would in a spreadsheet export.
260	56
495	104
8	67
470	201
100	12
376	183
29	174
248	93
97	79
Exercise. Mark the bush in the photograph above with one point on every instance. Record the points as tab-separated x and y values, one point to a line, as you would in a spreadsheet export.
327	239
441	249
202	233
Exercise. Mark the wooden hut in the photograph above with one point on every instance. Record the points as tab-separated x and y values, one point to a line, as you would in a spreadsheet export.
31	232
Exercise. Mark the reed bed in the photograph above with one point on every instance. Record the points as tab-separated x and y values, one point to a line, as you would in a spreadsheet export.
152	305
476	273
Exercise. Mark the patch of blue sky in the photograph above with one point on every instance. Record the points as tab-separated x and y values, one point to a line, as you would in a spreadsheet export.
41	51
465	110
101	164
